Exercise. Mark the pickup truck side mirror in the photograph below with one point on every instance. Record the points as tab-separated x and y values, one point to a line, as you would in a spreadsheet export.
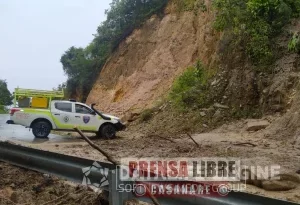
94	111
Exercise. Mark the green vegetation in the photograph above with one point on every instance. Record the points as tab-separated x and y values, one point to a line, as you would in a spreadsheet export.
82	65
81	72
253	112
190	5
294	44
190	89
254	24
186	5
5	97
3	109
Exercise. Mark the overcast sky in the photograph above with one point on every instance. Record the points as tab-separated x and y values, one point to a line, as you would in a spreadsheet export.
35	33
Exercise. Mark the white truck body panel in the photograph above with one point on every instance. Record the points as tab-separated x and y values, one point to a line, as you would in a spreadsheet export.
64	115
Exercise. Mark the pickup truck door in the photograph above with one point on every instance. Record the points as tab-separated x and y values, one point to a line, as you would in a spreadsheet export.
63	115
86	118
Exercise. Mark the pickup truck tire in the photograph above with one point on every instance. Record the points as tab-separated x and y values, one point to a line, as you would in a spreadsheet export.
41	129
108	131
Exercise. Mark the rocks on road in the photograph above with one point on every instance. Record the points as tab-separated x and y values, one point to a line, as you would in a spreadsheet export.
257	125
278	185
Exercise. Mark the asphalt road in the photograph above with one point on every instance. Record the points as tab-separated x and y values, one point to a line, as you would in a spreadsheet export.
20	133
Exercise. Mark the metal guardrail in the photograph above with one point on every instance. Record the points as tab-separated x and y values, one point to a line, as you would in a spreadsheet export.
70	168
63	166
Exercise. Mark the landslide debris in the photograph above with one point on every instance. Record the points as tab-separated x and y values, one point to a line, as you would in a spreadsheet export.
20	186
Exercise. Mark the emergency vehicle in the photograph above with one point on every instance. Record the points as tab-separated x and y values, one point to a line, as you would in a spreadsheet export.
43	111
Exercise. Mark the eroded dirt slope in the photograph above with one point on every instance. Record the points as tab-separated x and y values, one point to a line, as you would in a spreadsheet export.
146	63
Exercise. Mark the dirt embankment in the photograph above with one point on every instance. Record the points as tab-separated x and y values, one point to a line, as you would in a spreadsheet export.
146	63
141	71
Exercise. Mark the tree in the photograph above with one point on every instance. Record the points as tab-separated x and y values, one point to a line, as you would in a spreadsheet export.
60	87
80	71
5	95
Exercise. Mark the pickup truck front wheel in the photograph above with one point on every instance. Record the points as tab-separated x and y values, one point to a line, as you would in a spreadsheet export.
41	129
108	131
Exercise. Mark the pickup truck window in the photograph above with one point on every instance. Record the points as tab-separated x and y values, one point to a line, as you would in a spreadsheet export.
66	107
82	109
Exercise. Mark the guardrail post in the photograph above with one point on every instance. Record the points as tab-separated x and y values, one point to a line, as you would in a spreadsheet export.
117	197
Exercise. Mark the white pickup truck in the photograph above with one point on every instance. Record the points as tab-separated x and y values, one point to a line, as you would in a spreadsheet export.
64	116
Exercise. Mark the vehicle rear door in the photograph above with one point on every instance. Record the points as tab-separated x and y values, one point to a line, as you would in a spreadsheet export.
63	115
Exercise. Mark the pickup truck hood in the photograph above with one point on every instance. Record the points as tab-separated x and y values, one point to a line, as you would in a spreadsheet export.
111	116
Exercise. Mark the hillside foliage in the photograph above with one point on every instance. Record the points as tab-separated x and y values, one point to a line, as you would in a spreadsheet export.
294	44
82	65
190	89
251	27
190	5
254	23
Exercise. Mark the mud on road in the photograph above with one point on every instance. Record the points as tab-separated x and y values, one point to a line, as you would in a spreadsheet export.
221	142
218	143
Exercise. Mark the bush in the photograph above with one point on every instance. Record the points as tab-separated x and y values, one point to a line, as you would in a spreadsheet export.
254	23
182	85
258	46
190	88
294	44
295	6
5	96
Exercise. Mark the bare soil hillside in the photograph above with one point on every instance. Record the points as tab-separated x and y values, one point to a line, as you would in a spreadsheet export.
144	66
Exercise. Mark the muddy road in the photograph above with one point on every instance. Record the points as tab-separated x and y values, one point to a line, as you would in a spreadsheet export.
221	142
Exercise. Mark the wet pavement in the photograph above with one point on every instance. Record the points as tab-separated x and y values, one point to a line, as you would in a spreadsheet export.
20	133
